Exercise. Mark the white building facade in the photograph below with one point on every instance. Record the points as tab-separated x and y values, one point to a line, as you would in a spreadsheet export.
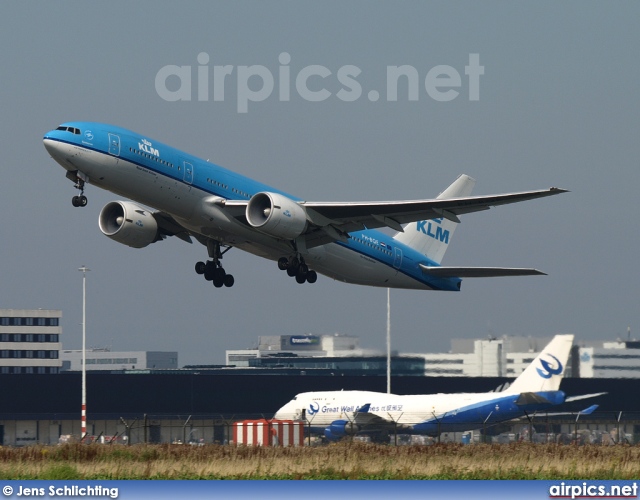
30	341
619	359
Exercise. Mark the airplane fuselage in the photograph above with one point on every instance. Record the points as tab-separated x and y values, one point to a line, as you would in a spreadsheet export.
423	414
193	192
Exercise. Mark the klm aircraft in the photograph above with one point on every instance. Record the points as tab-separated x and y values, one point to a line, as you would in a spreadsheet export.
336	414
176	194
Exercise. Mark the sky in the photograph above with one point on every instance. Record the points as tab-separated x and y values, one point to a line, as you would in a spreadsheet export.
557	105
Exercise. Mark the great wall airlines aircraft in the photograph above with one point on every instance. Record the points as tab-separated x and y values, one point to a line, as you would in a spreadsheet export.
336	414
221	209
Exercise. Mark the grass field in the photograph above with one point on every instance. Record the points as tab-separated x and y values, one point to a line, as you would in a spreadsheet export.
336	461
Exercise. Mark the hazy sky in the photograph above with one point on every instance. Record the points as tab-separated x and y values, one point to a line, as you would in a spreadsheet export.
558	106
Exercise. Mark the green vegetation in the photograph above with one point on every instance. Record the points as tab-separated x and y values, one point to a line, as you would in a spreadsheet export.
336	461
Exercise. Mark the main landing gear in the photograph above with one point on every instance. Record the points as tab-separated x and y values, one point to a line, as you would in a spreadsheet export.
296	268
81	200
213	270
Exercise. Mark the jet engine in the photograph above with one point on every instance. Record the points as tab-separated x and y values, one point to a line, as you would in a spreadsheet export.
340	428
128	224
276	215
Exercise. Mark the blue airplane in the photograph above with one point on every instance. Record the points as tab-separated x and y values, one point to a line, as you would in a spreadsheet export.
192	198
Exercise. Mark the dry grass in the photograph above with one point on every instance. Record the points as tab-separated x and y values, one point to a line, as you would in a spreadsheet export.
336	461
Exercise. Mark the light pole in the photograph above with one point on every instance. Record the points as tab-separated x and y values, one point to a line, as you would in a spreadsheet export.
388	341
83	423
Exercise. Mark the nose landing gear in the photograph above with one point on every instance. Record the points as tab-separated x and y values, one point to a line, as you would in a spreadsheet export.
81	200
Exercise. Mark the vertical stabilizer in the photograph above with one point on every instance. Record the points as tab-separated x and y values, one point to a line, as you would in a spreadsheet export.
432	237
546	371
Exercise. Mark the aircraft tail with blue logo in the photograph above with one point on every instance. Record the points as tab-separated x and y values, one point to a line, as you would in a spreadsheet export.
546	371
432	237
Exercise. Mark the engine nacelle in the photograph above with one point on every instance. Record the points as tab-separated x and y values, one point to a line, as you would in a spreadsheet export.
340	428
276	215
128	224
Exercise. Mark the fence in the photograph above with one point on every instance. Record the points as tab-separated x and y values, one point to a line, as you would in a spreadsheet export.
606	428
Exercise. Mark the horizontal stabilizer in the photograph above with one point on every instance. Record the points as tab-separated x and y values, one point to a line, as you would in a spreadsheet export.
584	396
477	272
589	411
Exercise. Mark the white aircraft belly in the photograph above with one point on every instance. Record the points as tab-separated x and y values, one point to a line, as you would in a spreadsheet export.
346	265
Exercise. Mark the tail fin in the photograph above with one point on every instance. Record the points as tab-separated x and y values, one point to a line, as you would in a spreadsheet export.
431	237
546	371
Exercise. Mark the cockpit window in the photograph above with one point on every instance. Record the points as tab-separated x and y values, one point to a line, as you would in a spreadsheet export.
73	130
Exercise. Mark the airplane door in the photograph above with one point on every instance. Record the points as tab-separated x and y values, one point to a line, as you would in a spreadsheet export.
114	145
397	259
188	172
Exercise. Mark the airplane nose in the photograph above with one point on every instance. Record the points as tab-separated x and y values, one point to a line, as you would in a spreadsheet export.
53	147
49	144
58	151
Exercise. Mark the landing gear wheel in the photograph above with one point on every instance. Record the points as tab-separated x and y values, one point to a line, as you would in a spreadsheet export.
219	274
302	273
80	200
212	269
297	268
209	270
219	277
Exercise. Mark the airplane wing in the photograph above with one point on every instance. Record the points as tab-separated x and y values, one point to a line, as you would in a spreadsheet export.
351	216
169	227
331	221
363	418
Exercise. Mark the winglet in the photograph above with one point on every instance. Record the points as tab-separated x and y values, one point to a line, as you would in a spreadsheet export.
364	408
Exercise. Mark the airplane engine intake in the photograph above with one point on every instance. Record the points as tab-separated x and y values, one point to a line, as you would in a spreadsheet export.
129	224
276	215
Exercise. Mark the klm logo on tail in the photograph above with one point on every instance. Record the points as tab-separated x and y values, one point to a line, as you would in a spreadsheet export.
547	371
425	227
